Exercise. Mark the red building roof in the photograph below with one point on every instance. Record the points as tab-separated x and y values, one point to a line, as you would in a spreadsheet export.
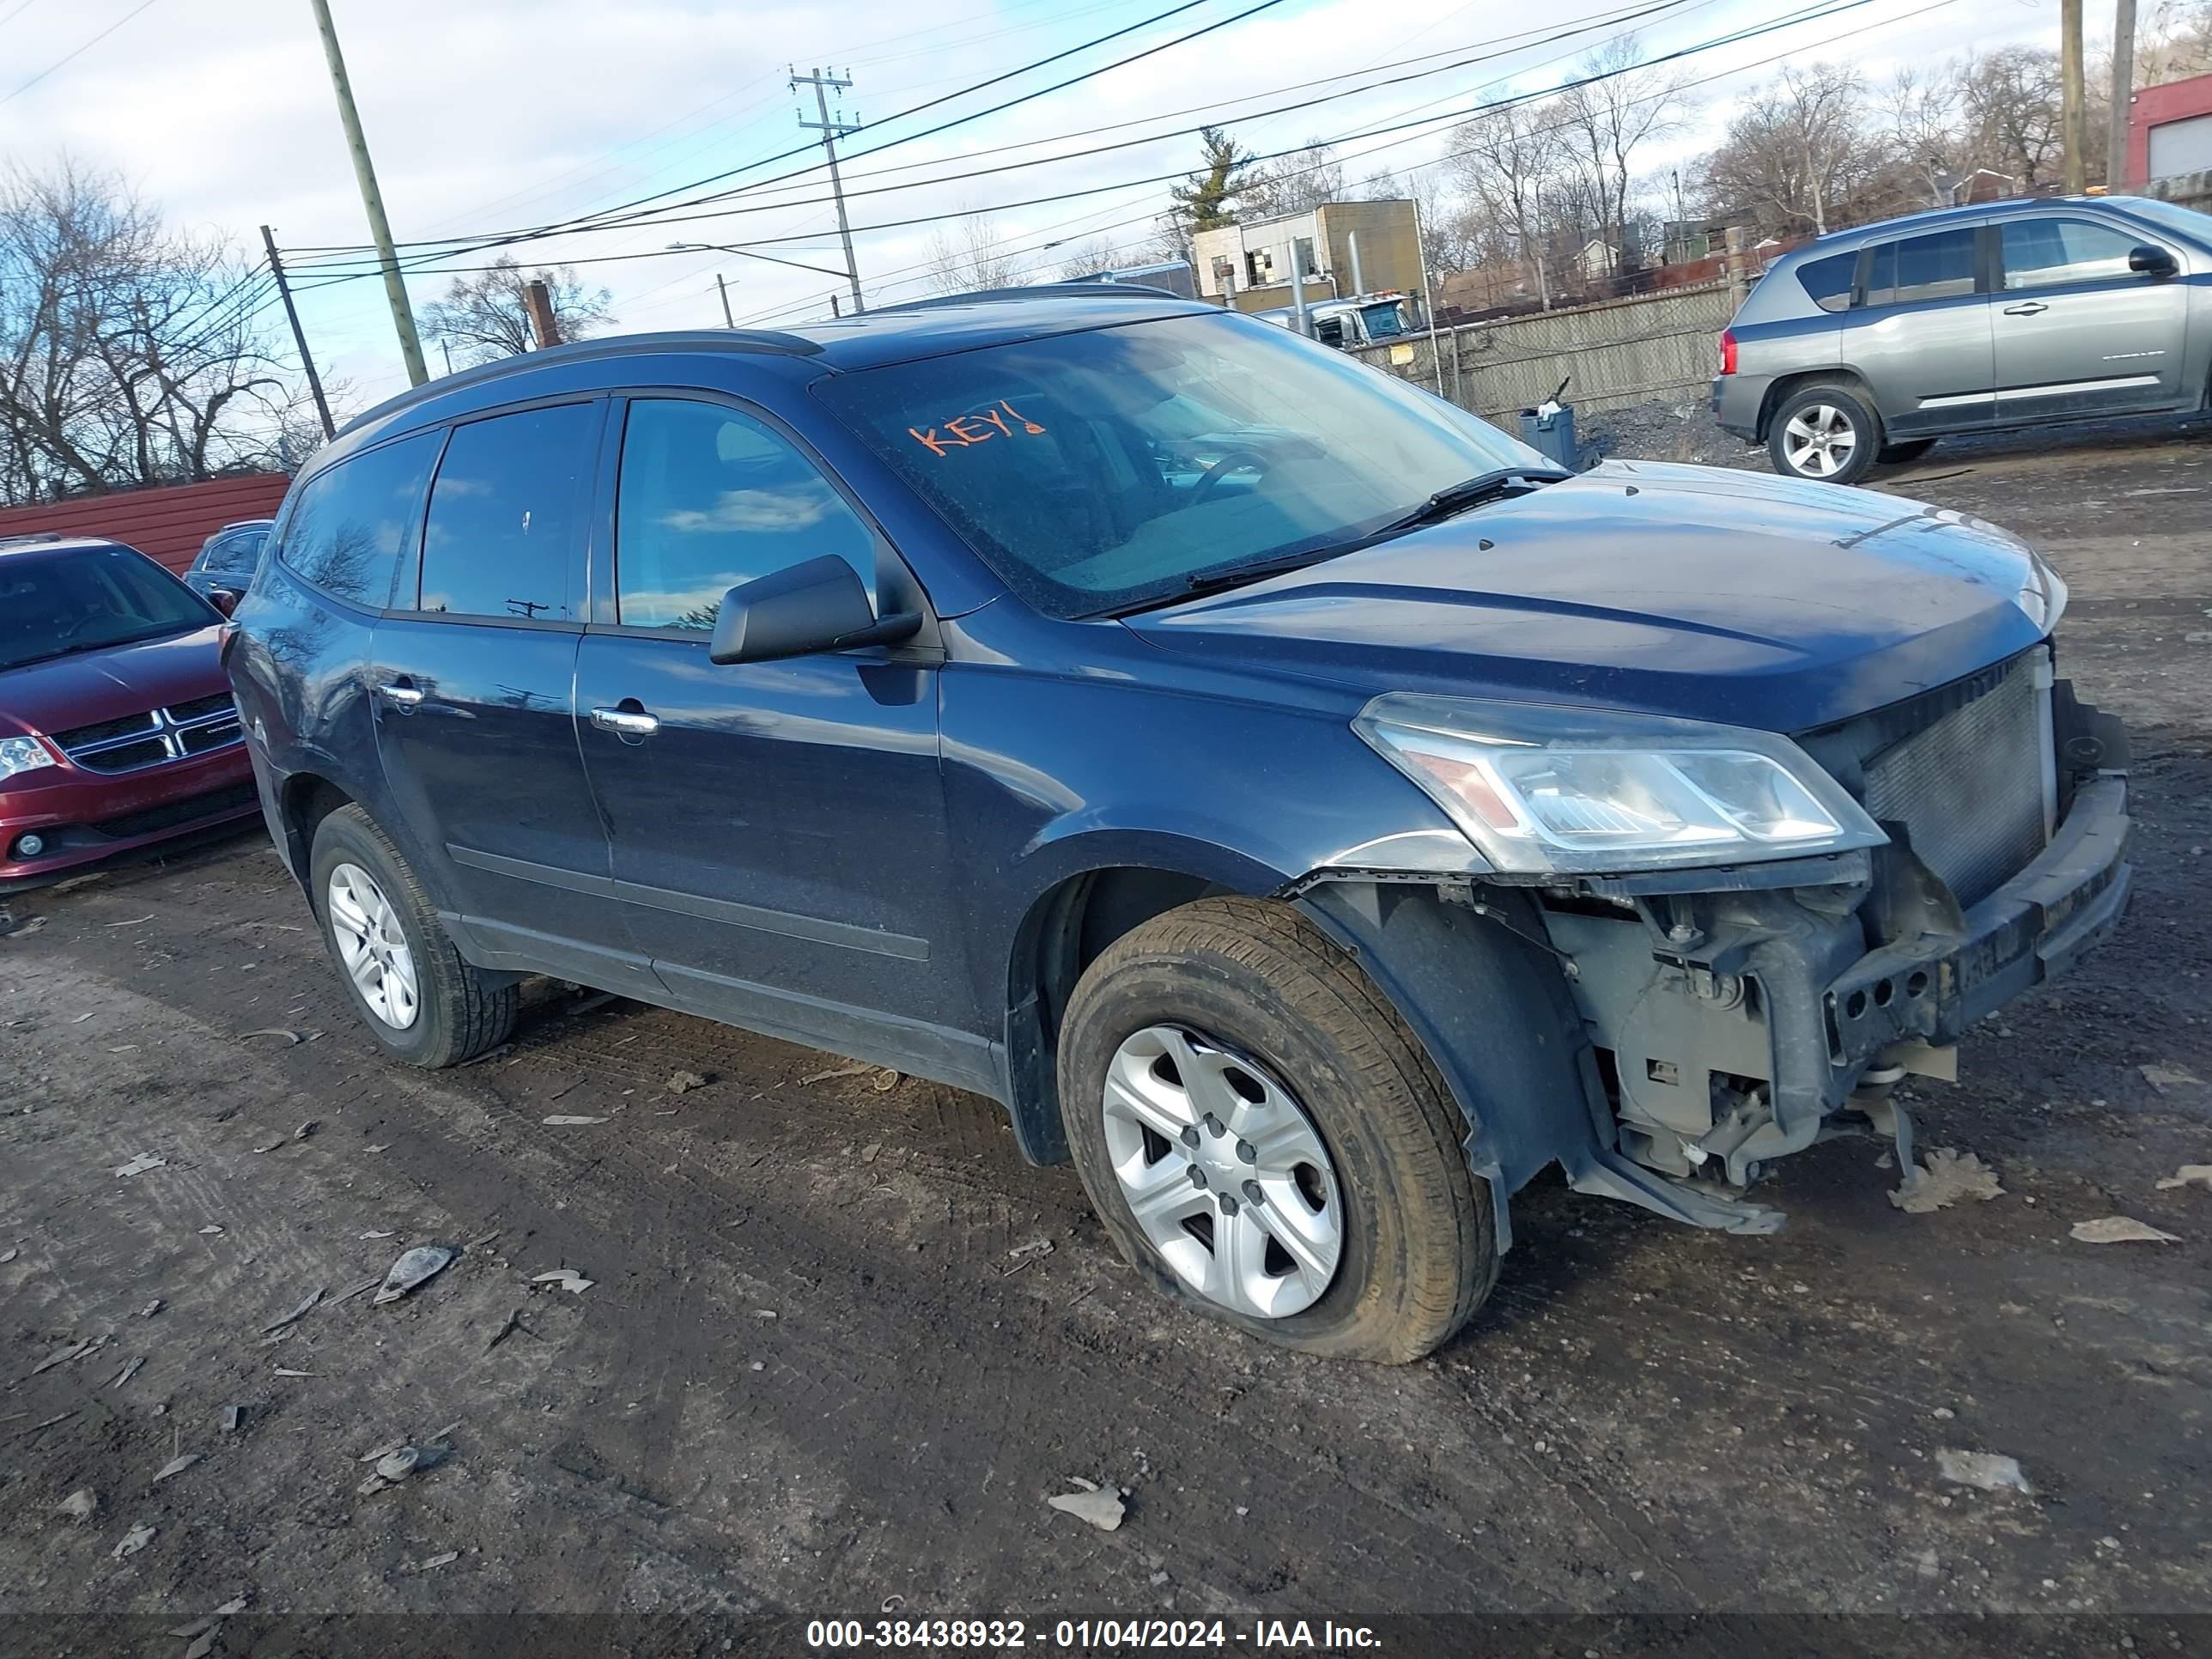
168	524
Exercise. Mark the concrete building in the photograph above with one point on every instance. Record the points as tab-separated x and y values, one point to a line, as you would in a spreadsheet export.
2170	130
1248	265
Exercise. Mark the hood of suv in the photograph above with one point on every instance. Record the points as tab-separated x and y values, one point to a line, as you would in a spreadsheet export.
63	693
1695	592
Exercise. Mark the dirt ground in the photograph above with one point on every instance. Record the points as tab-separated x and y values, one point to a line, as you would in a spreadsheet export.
841	1344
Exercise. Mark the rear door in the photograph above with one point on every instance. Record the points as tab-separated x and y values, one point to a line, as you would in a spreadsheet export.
778	828
2077	331
1920	333
474	681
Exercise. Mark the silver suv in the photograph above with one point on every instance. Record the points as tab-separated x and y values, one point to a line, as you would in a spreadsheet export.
1870	344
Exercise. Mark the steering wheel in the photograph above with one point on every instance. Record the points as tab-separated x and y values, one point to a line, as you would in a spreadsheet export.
1237	460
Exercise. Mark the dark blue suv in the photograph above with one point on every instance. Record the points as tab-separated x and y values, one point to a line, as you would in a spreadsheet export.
1292	797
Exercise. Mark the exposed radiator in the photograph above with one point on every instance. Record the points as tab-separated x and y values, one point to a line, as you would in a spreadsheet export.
1976	789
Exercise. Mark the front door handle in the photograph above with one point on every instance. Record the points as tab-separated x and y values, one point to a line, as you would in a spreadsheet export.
2026	308
626	722
402	694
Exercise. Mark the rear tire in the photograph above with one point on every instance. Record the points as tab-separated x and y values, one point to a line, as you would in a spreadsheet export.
414	995
1825	435
1905	454
1266	1007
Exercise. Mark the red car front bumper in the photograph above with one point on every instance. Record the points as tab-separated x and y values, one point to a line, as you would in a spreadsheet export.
85	817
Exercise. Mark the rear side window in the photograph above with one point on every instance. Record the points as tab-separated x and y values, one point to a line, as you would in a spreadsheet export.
507	514
236	554
2051	253
351	522
1827	282
710	498
1922	268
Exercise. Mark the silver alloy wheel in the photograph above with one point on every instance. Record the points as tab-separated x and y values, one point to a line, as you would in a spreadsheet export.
1224	1172
1819	440
374	946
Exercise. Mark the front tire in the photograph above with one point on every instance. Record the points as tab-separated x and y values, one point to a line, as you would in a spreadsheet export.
416	996
1266	1141
1826	434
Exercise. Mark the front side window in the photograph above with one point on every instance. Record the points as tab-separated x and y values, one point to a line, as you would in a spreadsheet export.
1096	471
236	554
2052	253
506	512
710	498
351	522
1922	268
1827	282
66	603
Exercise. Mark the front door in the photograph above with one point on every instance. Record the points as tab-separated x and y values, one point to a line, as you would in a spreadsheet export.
2077	331
473	679
778	828
1920	335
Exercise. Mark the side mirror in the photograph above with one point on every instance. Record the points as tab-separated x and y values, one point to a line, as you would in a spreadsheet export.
2152	261
225	600
800	610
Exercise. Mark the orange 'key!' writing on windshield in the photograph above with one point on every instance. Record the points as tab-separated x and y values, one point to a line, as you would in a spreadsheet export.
964	431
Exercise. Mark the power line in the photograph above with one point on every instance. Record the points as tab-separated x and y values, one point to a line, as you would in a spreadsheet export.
72	57
1807	14
1648	9
18	11
636	209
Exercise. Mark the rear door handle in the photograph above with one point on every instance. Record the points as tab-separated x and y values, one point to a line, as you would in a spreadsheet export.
400	692
2027	308
626	722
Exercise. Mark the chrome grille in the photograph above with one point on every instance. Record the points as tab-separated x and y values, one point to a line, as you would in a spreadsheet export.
137	741
1976	789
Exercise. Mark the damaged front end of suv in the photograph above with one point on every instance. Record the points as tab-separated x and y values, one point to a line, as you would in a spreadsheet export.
1758	936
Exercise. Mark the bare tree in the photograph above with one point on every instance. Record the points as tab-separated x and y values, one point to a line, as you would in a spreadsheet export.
1296	183
1504	162
2173	42
129	354
1087	259
1621	106
969	254
1797	149
485	316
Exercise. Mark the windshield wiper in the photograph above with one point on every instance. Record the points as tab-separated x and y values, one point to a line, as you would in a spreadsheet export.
1468	493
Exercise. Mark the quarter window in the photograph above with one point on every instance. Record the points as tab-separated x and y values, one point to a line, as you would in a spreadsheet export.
2051	253
506	512
1921	267
1827	282
347	531
710	498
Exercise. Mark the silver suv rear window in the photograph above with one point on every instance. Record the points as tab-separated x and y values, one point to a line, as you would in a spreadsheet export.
1828	282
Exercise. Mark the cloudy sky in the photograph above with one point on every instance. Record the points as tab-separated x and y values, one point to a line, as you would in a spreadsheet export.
495	115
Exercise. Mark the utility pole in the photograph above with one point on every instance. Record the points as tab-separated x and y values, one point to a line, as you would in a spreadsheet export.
379	231
538	300
299	334
2074	113
831	131
2124	92
723	288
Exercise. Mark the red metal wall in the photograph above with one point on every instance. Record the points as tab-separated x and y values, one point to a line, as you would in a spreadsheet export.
168	524
2154	106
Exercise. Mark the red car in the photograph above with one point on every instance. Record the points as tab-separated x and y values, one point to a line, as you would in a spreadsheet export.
117	729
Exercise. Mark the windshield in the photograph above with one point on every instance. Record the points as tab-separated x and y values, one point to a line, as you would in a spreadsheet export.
1101	470
2188	221
53	604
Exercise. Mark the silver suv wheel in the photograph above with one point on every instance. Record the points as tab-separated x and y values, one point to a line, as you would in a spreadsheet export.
373	946
1224	1172
1817	442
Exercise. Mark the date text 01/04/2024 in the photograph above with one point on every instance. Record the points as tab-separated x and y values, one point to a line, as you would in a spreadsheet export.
1088	1635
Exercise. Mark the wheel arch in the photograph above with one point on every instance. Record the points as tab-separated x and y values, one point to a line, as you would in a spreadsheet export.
1096	894
304	801
1783	388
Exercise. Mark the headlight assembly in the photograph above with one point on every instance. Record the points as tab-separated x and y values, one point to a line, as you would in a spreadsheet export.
1541	789
23	754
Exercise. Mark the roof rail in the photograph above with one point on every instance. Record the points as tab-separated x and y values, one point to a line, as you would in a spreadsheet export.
694	339
1038	291
29	537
